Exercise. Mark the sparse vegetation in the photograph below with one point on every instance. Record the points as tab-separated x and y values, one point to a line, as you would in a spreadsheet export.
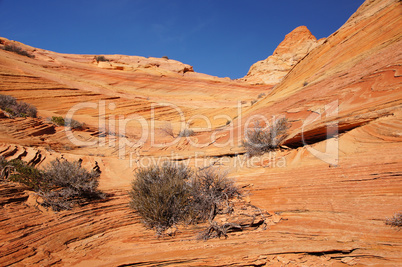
69	184
23	173
18	50
253	102
160	194
210	194
186	132
73	124
305	83
168	195
395	221
61	184
101	58
261	95
18	109
167	129
59	120
165	57
260	140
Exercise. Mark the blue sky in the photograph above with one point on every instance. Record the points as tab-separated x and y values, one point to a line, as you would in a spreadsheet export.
218	37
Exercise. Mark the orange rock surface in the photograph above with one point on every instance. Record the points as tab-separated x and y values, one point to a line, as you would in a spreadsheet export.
327	207
294	47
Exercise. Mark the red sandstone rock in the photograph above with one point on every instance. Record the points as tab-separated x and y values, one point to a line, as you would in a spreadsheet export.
294	47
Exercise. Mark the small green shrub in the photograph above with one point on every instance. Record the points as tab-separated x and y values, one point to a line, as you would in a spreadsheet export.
167	195
18	50
26	174
260	140
58	120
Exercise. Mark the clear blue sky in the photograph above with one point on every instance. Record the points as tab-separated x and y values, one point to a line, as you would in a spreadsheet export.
218	37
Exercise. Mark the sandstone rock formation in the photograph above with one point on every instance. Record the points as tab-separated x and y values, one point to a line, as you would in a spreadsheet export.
321	213
294	47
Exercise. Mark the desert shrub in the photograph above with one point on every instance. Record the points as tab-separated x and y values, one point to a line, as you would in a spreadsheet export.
70	184
210	192
18	50
395	221
167	195
260	140
6	101
186	133
160	195
305	83
58	120
22	109
61	184
19	109
26	174
261	95
73	124
3	165
165	57
101	58
253	102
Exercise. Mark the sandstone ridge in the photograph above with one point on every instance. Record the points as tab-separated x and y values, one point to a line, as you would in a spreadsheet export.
321	212
294	47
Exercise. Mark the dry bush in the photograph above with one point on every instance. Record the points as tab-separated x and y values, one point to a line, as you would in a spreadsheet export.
20	109
69	184
160	195
167	195
18	50
167	129
186	133
73	124
216	230
211	192
260	140
4	173
7	101
395	221
101	58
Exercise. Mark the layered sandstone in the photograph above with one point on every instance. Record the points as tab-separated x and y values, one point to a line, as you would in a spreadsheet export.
322	213
294	47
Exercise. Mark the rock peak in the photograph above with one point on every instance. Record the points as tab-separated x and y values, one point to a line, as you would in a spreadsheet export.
294	47
293	40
